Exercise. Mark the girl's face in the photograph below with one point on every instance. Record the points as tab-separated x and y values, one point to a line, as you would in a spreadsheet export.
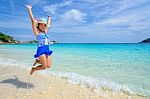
42	27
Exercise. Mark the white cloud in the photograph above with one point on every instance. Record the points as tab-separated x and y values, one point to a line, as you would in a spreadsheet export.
52	9
74	15
135	20
33	2
123	5
123	18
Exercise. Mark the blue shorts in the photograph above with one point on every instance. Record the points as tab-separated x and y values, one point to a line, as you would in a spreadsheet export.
43	50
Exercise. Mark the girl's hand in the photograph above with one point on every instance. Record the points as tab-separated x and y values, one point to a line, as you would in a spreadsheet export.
49	16
28	6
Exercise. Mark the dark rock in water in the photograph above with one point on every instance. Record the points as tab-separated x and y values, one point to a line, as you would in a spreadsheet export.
145	41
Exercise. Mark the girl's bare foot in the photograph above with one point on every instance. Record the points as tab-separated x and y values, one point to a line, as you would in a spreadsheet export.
32	70
36	61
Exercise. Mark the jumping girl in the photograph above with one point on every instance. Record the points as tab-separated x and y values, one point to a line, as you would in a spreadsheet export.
43	54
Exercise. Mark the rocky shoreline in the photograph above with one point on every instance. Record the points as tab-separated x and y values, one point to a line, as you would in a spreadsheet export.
26	42
6	39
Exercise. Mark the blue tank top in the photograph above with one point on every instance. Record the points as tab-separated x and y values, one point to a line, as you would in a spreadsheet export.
43	39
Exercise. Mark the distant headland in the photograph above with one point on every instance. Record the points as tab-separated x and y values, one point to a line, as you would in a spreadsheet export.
145	41
6	39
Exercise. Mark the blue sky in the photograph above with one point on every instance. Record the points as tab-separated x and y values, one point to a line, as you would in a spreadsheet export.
84	21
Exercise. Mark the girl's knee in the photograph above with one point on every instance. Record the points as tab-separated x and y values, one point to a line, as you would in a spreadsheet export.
44	67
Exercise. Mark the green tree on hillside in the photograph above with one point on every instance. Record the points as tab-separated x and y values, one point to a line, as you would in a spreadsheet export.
6	38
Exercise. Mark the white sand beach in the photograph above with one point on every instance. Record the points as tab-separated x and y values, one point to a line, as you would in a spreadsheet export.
16	83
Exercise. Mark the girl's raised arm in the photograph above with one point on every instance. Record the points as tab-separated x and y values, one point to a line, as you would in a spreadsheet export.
48	21
32	19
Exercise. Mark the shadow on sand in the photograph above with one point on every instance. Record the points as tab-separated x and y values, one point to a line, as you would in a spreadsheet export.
16	82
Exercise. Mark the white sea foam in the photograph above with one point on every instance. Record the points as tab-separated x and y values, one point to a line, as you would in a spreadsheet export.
93	83
99	83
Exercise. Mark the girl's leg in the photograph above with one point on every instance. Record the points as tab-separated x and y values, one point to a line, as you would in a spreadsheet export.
43	61
49	61
36	61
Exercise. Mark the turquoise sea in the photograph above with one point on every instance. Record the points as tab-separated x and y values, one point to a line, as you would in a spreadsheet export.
116	67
